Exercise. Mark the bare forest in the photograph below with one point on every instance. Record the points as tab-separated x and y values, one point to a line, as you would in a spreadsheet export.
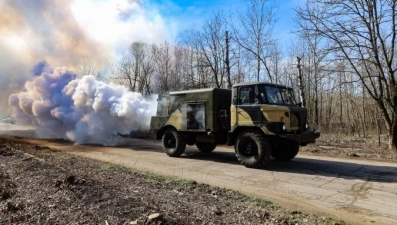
346	51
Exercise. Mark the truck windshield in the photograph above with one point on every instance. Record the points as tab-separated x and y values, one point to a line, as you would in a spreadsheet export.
276	95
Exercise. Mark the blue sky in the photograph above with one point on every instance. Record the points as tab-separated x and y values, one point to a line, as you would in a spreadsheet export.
193	13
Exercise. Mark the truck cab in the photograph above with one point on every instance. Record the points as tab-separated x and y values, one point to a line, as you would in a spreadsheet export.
266	121
273	109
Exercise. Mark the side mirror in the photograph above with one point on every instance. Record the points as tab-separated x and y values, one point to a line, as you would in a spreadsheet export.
235	100
257	97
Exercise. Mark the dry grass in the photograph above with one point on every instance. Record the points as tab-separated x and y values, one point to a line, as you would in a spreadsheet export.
342	145
345	140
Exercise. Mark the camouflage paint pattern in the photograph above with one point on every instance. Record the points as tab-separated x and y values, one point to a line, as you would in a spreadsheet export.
268	114
179	109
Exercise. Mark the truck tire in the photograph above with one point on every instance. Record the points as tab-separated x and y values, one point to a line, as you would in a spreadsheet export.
173	143
253	150
285	150
206	147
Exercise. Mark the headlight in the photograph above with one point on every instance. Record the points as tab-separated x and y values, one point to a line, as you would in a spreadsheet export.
283	127
307	126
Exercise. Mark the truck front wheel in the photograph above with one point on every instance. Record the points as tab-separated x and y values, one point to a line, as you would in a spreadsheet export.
205	147
173	143
285	150
253	150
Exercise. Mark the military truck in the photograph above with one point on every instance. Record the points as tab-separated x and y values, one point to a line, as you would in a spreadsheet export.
262	120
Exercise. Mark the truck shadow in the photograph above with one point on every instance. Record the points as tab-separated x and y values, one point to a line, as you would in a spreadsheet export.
299	165
343	170
316	167
220	157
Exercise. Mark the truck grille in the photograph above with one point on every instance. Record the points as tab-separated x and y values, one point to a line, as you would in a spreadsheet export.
294	120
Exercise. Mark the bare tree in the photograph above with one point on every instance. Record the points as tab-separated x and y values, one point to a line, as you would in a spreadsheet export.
187	41
167	62
364	34
275	61
88	67
255	35
135	69
316	54
207	51
213	47
122	72
137	52
146	78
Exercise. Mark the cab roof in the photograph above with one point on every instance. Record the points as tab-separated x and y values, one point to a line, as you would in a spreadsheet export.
199	91
260	83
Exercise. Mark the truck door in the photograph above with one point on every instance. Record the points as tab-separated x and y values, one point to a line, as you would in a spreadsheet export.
247	106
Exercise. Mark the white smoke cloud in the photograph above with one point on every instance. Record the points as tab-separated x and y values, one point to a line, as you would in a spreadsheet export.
83	110
31	31
117	23
70	33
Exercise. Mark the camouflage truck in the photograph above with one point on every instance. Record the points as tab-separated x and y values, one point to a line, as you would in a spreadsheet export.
261	120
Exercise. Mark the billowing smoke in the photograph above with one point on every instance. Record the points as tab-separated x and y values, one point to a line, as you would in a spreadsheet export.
69	33
83	110
31	31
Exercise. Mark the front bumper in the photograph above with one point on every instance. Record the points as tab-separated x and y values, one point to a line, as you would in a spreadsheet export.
302	138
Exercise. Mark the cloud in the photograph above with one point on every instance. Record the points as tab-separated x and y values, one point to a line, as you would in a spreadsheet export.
46	29
69	33
31	31
117	23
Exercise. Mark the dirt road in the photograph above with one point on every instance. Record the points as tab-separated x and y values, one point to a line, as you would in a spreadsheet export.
352	190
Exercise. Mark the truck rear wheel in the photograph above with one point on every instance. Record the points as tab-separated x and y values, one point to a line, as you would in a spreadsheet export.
253	150
285	150
173	143
206	147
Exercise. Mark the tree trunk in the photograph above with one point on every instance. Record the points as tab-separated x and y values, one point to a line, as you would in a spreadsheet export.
378	125
364	121
393	136
390	122
227	62
300	83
